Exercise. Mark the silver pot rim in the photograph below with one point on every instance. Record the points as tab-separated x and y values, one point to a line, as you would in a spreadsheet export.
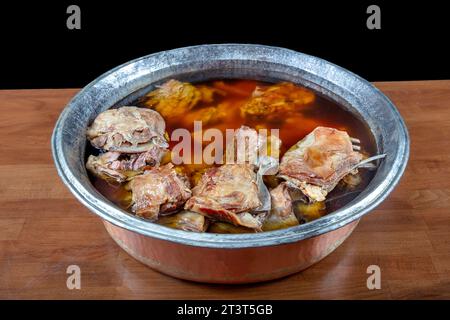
323	76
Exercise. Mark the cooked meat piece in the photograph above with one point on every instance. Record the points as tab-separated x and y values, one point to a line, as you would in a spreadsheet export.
247	146
174	98
276	100
227	193
251	147
118	167
185	220
319	161
160	190
127	129
100	166
281	215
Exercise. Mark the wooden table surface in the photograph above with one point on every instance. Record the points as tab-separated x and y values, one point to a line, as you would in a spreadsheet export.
44	229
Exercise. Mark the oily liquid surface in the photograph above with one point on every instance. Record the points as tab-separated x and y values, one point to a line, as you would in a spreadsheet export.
292	128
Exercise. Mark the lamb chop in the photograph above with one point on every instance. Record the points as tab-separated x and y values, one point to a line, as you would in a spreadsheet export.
160	190
127	130
228	193
319	161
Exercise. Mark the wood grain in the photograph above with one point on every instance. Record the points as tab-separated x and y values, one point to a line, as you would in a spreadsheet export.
43	229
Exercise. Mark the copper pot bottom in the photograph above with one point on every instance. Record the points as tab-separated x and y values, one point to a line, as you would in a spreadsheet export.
222	265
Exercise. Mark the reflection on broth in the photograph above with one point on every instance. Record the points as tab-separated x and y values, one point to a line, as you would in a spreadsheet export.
231	104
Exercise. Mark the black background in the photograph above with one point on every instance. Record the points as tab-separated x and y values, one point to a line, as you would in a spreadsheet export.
281	309
38	51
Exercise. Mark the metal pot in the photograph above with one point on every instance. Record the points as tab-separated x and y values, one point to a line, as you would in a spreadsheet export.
230	258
